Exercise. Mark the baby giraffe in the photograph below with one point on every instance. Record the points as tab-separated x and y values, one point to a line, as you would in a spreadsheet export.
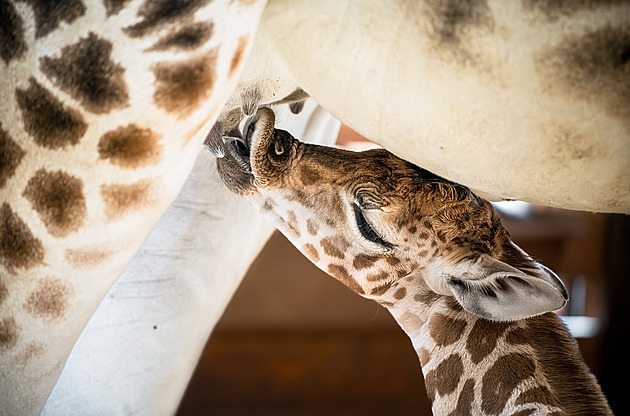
476	307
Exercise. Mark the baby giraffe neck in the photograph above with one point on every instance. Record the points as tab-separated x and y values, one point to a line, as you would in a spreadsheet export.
475	366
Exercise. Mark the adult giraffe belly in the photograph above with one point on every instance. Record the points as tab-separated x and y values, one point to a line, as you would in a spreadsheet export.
513	101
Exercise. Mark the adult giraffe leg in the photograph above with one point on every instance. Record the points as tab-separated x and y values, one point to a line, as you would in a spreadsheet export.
138	352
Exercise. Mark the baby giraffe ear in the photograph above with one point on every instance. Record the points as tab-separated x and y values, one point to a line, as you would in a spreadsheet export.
497	291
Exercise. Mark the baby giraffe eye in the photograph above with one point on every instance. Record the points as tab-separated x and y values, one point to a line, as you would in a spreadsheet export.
366	229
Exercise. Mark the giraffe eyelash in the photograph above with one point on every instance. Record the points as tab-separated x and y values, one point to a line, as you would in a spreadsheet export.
366	229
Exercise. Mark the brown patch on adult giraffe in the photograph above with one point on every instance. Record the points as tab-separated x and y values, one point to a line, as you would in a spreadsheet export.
158	14
46	119
32	351
334	246
113	7
58	199
50	14
9	333
87	257
445	330
12	42
86	72
592	68
311	227
130	147
180	87
11	155
400	293
19	249
311	252
445	377
186	38
552	10
502	378
363	261
121	199
341	274
454	23
239	54
483	338
465	399
309	175
50	300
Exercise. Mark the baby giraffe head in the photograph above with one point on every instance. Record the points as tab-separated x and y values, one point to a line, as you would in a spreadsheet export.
384	227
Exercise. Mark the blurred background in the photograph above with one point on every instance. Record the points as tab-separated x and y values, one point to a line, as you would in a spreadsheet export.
294	341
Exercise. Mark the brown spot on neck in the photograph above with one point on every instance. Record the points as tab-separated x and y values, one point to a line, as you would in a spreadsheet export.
113	7
9	333
311	227
157	15
379	290
364	261
11	155
483	338
445	330
445	377
130	147
12	42
50	300
181	87
465	399
341	274
400	293
4	292
58	199
377	277
50	14
502	378
47	120
187	38
18	247
334	246
121	199
311	252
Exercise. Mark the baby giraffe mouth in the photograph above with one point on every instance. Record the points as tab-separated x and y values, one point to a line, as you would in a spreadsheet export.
245	149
